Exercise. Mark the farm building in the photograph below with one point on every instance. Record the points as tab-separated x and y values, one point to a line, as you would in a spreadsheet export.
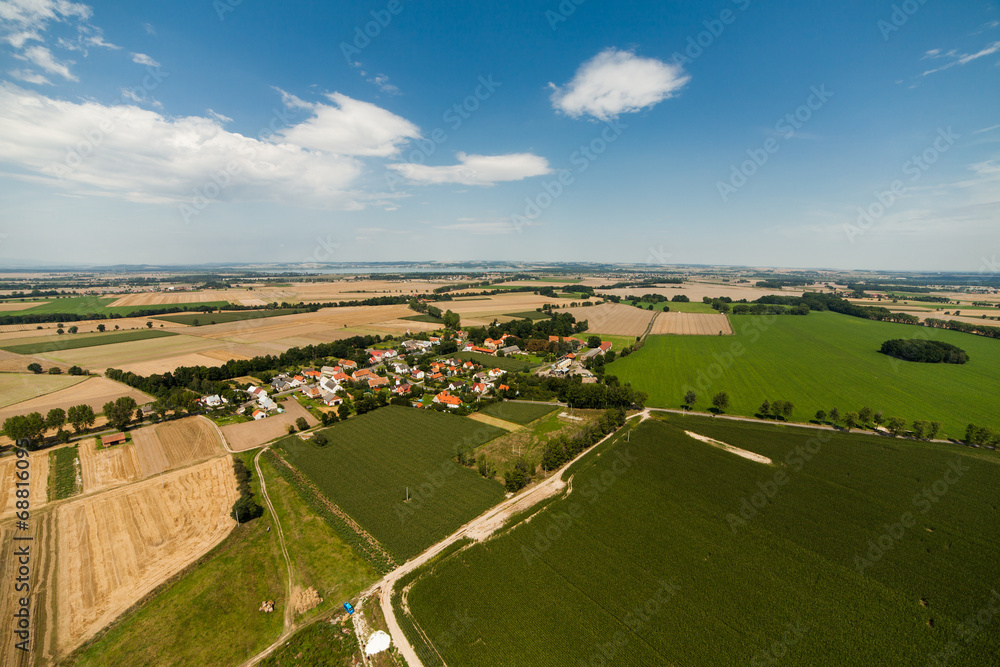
113	439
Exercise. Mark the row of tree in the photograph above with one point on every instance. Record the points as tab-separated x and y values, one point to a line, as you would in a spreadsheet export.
32	427
245	508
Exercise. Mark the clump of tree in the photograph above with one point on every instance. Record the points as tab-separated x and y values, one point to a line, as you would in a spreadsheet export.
519	476
982	436
924	351
777	409
720	402
245	508
119	412
562	449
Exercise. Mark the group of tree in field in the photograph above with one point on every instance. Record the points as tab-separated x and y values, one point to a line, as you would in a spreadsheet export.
920	429
776	409
720	402
32	427
245	508
37	369
924	351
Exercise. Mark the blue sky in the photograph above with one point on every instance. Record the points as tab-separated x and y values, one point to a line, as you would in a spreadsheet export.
845	135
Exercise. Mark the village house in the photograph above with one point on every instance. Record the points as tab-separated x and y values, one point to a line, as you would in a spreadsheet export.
511	349
401	389
361	374
447	399
480	388
328	370
312	391
348	364
417	374
376	382
496	373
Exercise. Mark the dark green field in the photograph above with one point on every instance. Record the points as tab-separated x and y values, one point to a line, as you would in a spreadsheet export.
424	318
529	315
820	361
677	307
95	305
76	341
232	316
644	564
519	413
372	460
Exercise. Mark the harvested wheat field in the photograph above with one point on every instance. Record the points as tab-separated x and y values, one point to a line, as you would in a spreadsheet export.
123	355
175	443
10	334
17	387
495	421
613	319
40	610
38	478
696	291
248	435
104	468
117	546
94	391
18	363
691	324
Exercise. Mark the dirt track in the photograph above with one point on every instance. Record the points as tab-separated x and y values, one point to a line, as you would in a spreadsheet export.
117	546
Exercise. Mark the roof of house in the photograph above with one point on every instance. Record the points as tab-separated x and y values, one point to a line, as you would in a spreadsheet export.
113	439
445	397
605	345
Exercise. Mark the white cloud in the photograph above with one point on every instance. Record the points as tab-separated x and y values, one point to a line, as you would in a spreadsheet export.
352	127
150	30
477	169
962	59
18	39
42	57
143	59
615	82
382	82
140	155
29	76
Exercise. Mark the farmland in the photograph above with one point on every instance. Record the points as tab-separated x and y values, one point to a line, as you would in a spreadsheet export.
93	305
643	564
94	391
117	546
38	477
371	461
676	306
174	444
17	387
819	361
73	342
64	467
613	318
207	614
519	413
107	467
691	324
232	316
248	435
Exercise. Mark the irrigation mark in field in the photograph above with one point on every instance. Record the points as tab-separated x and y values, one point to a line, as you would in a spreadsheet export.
363	36
454	117
785	128
581	159
635	620
94	137
559	522
710	374
915	168
924	500
698	44
968	630
796	459
218	182
21	552
779	648
899	17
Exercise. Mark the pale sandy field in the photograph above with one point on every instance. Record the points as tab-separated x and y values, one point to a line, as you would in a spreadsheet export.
614	319
174	444
691	324
94	391
17	387
248	435
38	473
104	468
117	546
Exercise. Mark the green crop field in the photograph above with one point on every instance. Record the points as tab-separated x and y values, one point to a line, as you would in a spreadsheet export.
677	307
76	341
424	318
371	461
820	361
519	413
232	316
95	305
517	363
529	315
62	473
643	563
